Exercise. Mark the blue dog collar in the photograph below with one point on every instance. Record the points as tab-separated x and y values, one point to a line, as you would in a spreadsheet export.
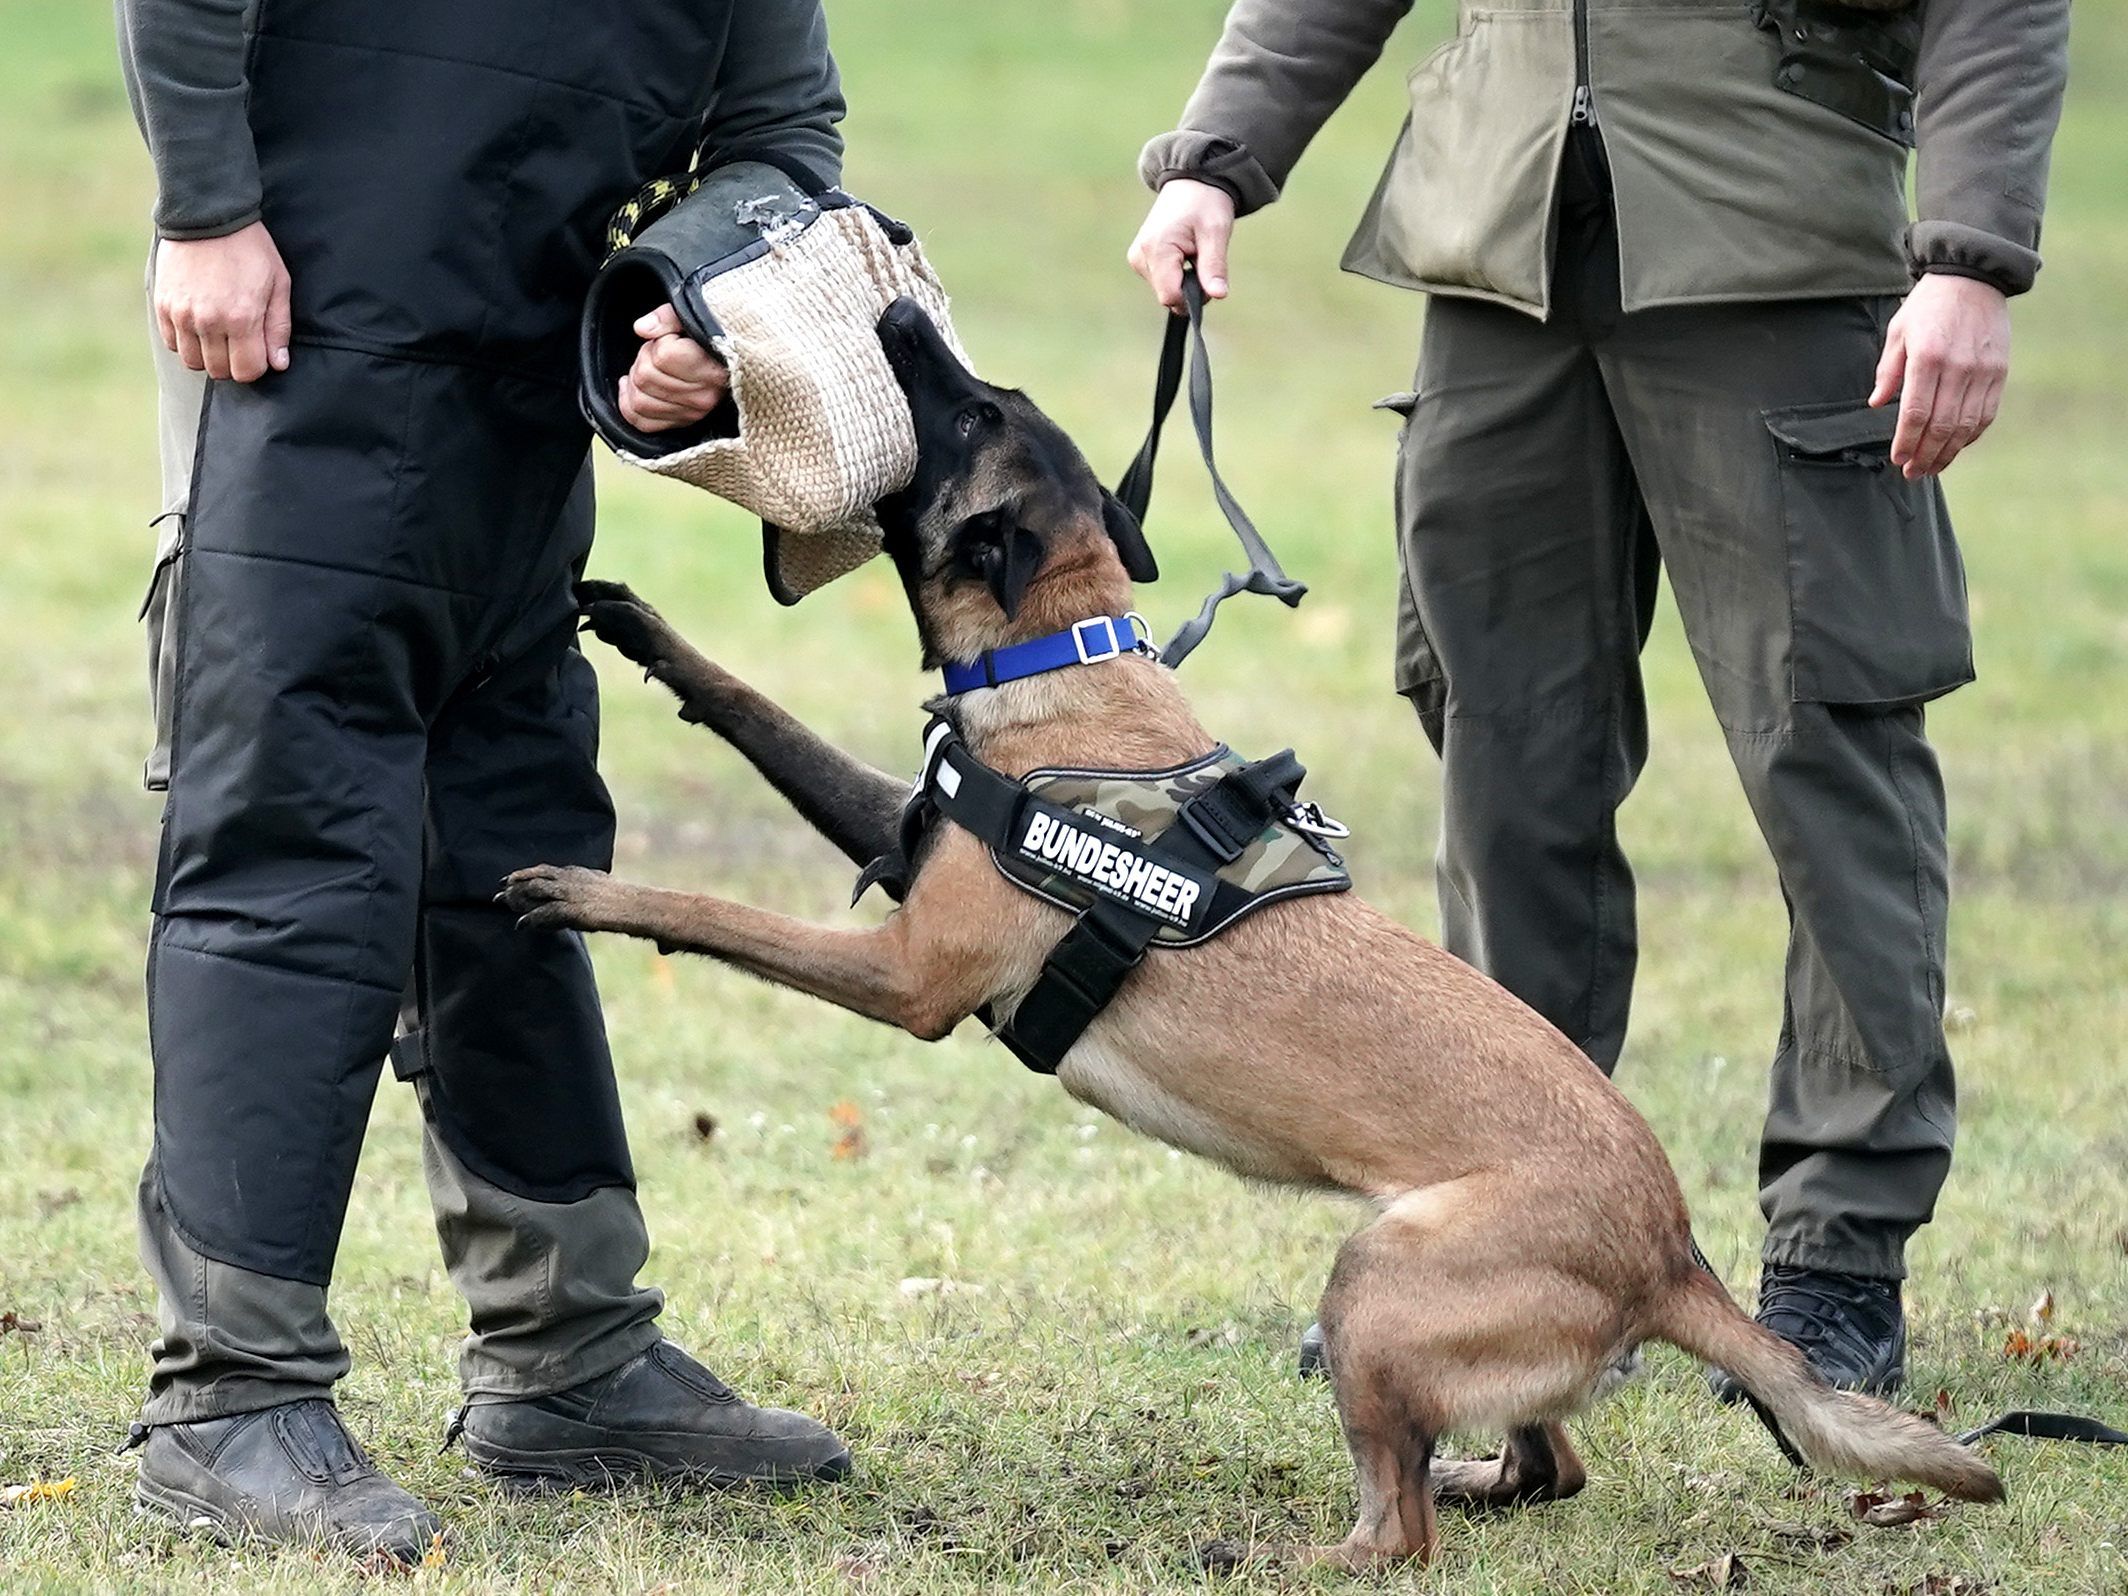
1087	642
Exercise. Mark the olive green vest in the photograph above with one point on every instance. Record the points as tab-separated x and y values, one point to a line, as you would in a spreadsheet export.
1730	186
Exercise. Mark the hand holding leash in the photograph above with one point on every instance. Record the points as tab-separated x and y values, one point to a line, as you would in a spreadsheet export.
1185	336
1190	222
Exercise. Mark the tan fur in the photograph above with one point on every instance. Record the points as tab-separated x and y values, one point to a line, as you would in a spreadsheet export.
1530	1231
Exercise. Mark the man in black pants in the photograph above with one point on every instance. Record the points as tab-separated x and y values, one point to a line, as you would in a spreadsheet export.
377	499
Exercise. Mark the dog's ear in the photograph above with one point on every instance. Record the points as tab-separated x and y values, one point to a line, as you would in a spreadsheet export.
1129	539
1005	554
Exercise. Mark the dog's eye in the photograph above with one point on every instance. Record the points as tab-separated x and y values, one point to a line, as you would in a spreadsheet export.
981	414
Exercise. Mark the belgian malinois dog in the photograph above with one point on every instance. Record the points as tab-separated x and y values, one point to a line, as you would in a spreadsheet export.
1528	1233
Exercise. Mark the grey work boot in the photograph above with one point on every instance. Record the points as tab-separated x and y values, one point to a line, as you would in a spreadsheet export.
1852	1328
659	1416
289	1474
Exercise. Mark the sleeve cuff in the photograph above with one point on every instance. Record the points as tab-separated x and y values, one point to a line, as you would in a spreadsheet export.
189	231
1964	251
1209	158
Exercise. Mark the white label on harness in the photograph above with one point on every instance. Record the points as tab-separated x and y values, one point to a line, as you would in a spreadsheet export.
949	780
1120	872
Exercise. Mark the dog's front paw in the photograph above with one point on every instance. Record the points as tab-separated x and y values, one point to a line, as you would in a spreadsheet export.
613	614
556	897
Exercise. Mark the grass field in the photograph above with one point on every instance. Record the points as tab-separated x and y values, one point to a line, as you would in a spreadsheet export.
1111	1386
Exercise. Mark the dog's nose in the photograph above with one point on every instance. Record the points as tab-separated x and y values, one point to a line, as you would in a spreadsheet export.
905	318
911	340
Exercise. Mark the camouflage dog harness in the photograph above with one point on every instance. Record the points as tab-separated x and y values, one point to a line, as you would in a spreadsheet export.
1142	859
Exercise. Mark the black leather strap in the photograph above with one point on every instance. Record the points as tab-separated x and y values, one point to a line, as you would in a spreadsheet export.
1136	489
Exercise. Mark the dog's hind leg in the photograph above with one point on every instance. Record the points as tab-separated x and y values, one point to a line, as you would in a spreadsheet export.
1388	1421
1435	1319
1538	1464
847	801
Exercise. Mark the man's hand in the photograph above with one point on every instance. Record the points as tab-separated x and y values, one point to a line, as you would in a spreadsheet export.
674	382
1946	357
221	304
1189	221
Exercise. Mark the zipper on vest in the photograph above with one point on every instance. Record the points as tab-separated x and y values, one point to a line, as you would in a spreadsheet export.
1584	101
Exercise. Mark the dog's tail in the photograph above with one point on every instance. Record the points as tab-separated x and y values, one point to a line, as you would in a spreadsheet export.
1840	1432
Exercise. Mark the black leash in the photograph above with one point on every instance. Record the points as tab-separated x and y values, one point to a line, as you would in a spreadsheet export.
1136	489
2048	1427
2028	1422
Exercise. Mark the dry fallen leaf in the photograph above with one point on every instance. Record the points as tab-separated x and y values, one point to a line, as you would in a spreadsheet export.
2021	1348
2043	1309
12	1323
1944	1585
1726	1572
37	1491
435	1557
851	1144
1882	1510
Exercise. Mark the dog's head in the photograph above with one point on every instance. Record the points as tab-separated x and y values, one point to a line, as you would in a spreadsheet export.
1004	532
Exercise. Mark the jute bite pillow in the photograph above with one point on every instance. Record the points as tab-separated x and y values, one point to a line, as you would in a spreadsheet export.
788	289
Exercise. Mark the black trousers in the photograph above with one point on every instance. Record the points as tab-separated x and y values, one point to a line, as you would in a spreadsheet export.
378	710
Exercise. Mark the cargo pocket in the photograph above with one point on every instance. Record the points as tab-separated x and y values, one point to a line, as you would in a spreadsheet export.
159	612
1876	586
1418	669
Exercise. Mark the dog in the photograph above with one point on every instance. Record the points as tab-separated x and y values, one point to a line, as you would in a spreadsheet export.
1528	1233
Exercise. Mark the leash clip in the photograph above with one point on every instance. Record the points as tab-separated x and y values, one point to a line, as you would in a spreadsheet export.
1309	817
1144	635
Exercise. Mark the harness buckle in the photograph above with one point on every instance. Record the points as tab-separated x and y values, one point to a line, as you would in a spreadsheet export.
1095	653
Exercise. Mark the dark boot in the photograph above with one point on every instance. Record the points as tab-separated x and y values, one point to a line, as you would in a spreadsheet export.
659	1416
289	1474
1852	1328
1314	1355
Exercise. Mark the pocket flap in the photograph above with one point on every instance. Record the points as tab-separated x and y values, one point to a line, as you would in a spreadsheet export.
1831	429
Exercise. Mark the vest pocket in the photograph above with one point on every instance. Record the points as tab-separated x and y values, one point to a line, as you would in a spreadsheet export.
158	611
1856	59
1876	586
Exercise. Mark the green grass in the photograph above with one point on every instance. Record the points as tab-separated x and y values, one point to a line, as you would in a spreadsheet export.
1113	1388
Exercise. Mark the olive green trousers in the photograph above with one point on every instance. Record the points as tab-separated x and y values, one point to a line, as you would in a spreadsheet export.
1549	473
